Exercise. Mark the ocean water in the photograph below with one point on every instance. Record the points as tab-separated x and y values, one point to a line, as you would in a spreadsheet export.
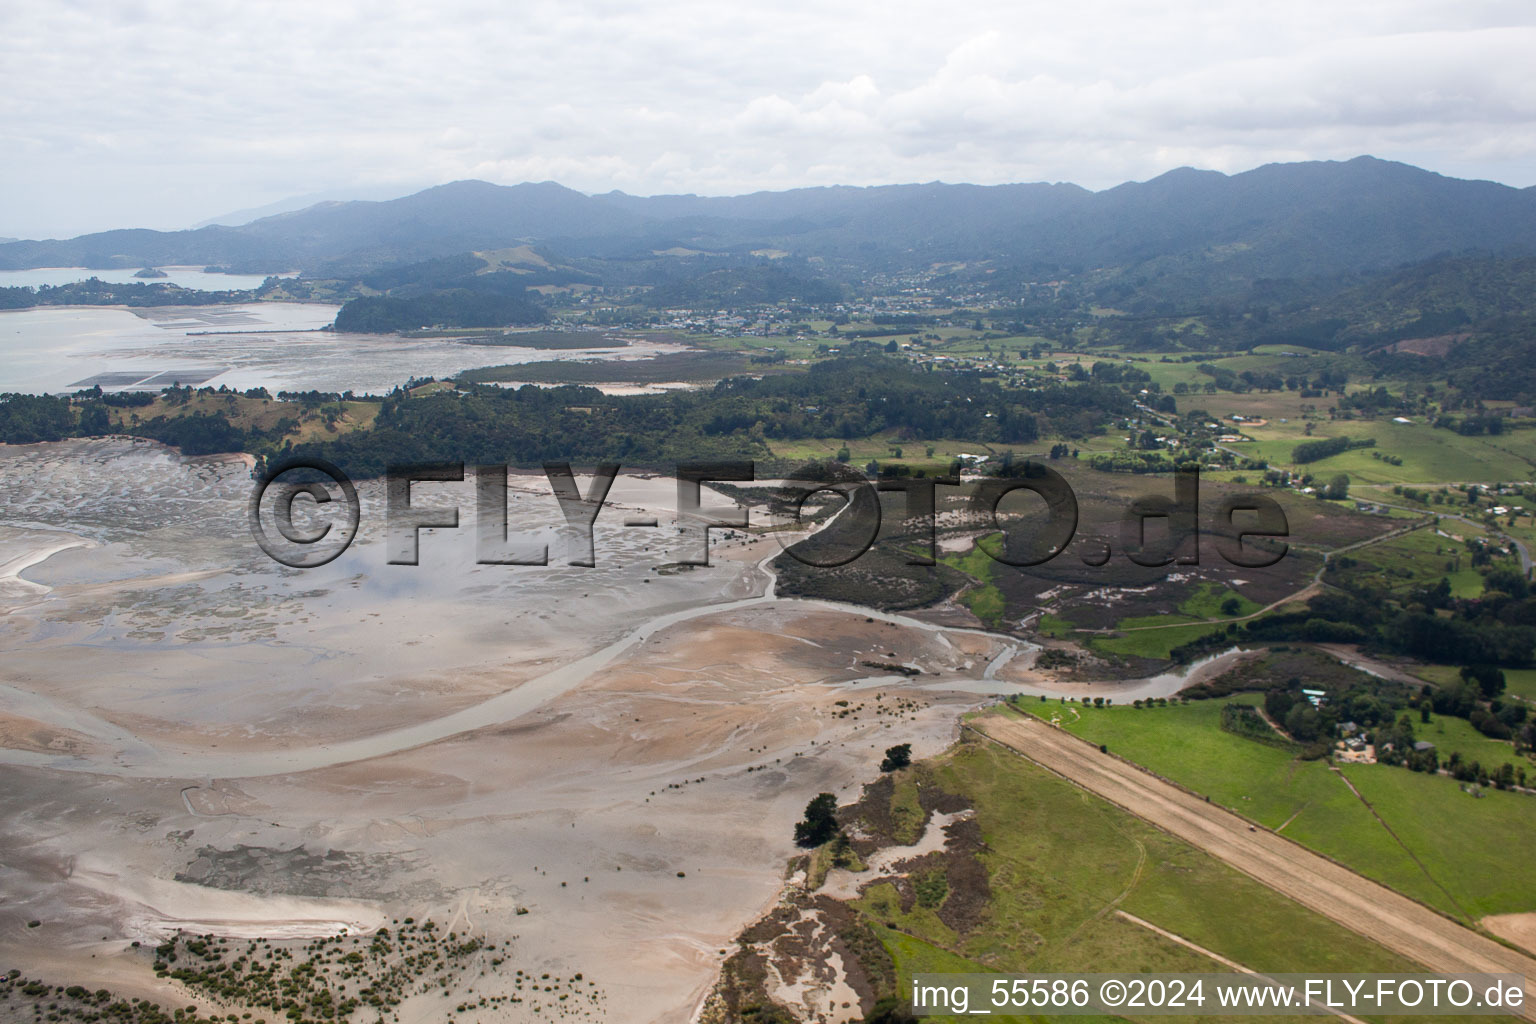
186	277
275	345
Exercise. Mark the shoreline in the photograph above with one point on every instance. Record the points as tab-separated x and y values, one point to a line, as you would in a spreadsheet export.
169	305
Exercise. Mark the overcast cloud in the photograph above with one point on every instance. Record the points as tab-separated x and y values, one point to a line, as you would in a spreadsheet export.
117	114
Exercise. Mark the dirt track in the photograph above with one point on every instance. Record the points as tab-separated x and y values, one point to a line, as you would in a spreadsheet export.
1357	903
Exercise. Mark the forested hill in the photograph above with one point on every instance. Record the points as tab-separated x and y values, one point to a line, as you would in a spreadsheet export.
1282	220
846	397
851	396
734	287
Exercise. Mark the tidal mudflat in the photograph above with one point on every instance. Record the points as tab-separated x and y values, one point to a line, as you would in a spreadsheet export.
172	701
599	765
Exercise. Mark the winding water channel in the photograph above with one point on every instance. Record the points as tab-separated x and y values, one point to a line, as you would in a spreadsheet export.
134	758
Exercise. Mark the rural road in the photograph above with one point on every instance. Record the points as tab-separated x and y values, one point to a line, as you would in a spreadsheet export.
1363	906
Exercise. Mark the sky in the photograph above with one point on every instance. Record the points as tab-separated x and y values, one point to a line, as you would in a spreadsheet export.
164	114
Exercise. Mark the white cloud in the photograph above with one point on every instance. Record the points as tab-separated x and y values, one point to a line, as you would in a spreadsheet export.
162	114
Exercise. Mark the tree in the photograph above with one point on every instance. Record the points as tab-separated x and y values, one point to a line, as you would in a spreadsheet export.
1338	488
1489	678
897	757
890	1010
1301	721
820	822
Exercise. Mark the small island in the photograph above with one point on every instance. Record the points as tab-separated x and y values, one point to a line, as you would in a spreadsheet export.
151	272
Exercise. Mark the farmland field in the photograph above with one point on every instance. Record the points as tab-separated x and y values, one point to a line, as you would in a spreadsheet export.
1468	863
1059	862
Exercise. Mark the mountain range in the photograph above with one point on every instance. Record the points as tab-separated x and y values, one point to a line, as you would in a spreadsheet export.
1277	221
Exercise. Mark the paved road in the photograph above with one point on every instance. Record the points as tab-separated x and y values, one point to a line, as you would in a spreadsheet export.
1363	906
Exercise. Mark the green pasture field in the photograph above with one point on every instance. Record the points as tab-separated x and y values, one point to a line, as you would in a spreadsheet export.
984	599
1520	682
1206	602
1429	455
791	347
1417	559
1059	862
1456	735
1151	643
1454	852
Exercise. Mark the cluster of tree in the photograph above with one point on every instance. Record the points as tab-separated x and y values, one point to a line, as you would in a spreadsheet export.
1313	451
1225	379
1471	426
1395	743
876	331
848	397
1113	373
820	822
1373	402
1505	776
452	308
851	397
1244	720
905	319
1498	628
468	271
1382	711
1132	462
96	292
29	419
204	433
124	399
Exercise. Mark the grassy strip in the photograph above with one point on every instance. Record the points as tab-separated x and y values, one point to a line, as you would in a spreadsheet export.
1470	848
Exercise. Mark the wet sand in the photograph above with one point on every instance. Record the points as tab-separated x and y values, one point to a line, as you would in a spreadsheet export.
620	751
